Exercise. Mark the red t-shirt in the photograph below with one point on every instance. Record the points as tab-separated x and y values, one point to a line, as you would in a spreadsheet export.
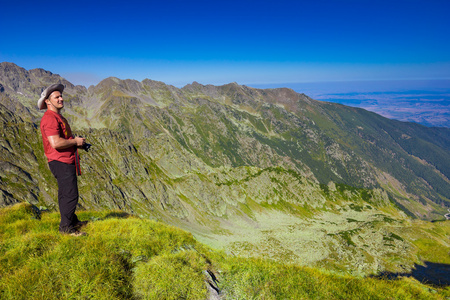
55	124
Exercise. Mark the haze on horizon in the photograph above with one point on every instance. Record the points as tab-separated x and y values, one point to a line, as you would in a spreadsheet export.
248	42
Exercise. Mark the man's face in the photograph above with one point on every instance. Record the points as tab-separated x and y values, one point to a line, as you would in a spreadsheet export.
55	101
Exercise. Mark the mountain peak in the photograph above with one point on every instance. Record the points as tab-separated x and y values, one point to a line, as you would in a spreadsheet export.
194	84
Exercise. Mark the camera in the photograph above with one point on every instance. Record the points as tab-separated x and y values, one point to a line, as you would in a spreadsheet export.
86	147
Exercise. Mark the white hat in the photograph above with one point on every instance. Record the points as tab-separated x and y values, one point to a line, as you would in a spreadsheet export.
54	87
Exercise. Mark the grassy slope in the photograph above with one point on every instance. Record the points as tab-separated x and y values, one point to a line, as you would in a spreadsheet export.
124	257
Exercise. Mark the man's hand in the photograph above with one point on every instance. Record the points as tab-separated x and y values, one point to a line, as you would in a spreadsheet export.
80	141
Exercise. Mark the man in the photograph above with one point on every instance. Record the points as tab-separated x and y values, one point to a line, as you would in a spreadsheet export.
60	147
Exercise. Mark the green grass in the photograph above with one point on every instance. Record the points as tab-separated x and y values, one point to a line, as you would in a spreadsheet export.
263	279
116	260
124	257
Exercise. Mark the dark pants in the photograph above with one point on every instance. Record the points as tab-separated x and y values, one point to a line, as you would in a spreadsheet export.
66	176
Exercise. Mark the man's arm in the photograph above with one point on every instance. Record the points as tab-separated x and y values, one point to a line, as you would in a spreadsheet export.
60	143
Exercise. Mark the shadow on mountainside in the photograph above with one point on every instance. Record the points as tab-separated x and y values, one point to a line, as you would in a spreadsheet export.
429	273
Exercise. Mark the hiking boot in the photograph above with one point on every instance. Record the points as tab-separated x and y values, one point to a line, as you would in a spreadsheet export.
80	224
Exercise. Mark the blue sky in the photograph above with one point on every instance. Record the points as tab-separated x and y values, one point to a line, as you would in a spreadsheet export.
217	42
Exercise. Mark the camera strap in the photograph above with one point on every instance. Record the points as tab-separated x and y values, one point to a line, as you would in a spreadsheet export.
77	162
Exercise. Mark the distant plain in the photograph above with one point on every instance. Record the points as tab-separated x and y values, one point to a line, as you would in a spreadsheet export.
426	102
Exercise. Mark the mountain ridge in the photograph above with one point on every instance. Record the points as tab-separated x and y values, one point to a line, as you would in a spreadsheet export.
118	98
